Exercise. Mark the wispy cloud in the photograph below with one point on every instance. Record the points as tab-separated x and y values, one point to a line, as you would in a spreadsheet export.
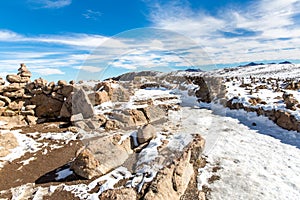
91	69
253	32
47	71
54	4
6	35
91	14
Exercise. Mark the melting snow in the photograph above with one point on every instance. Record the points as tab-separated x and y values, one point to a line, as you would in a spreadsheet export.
26	144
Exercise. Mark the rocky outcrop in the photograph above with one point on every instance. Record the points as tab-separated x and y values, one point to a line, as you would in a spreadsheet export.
177	176
33	100
290	101
210	88
175	180
109	91
100	156
281	118
130	118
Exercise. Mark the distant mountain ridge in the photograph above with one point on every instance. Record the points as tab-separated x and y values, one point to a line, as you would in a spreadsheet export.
255	64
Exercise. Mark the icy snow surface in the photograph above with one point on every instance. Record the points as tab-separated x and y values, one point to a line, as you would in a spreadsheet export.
254	164
26	144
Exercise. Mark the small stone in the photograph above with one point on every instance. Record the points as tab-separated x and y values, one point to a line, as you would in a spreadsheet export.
73	129
40	83
111	125
30	107
92	124
61	83
146	133
31	120
76	118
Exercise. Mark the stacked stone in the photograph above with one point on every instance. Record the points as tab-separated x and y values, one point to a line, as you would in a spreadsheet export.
34	100
49	98
13	97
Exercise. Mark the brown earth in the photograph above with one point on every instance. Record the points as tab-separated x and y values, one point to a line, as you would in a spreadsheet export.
41	171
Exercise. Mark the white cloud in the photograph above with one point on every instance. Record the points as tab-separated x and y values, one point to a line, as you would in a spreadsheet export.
256	31
6	35
91	69
47	71
50	3
91	14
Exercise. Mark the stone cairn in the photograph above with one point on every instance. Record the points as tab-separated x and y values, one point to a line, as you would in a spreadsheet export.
35	101
13	100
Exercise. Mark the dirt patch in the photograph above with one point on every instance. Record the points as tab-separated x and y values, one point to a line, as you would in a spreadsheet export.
15	173
49	127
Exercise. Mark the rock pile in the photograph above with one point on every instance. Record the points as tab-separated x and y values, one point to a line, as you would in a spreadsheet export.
108	91
177	175
32	101
290	101
13	98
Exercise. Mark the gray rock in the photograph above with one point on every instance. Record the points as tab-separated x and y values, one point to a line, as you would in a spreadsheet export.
82	125
154	113
76	118
92	124
99	157
146	133
82	104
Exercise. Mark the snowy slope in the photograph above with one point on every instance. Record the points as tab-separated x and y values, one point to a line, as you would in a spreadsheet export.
253	164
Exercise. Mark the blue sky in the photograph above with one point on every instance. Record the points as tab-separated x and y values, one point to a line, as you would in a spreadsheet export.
95	39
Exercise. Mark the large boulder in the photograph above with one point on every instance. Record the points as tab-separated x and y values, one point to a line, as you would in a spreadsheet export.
290	101
120	94
173	181
66	109
99	157
98	98
130	118
146	133
82	104
154	113
46	107
284	120
66	90
12	121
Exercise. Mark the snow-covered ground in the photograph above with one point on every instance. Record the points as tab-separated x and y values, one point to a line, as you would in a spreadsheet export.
253	164
268	70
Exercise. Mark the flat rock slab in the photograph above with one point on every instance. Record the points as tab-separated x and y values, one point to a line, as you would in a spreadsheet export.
100	156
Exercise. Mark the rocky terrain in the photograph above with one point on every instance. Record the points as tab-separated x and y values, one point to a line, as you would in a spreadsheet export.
152	135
